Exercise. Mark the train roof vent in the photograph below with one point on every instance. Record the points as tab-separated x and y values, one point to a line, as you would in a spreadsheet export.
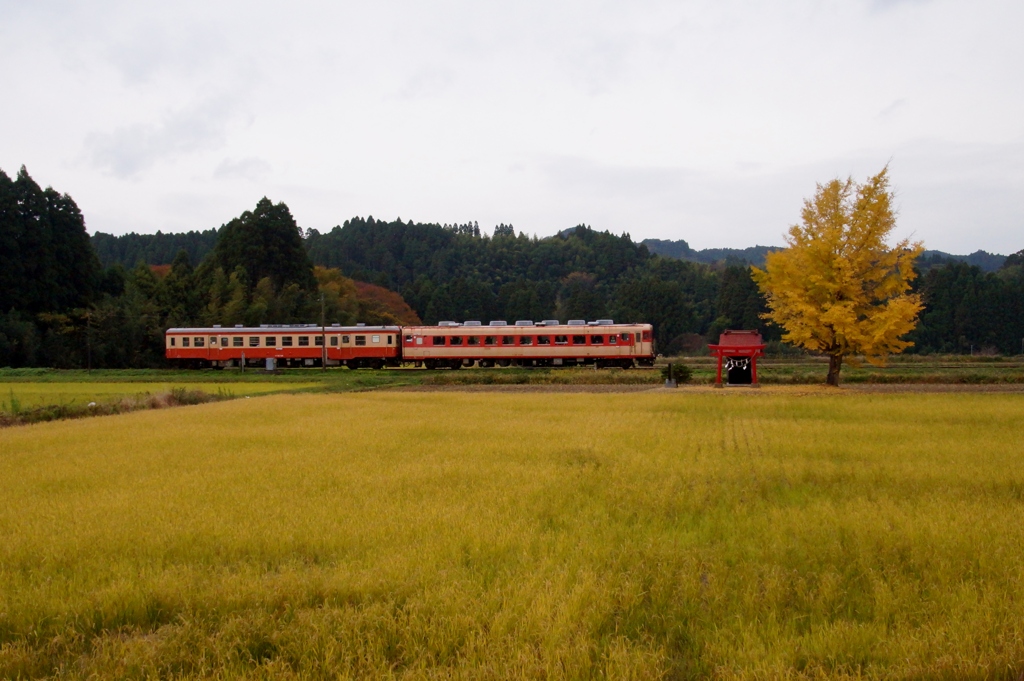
335	324
264	326
605	322
448	324
551	322
216	326
238	326
524	322
501	322
471	323
361	324
577	322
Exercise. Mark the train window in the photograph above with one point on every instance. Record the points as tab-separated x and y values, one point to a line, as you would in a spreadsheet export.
184	342
625	338
579	340
224	342
254	341
303	340
390	341
172	341
561	340
334	341
439	340
508	340
318	341
375	340
455	340
200	341
408	339
491	340
213	341
344	340
360	340
647	336
597	340
526	340
611	339
271	341
472	340
543	340
237	341
286	341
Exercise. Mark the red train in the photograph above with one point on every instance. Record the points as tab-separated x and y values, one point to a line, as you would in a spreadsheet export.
448	345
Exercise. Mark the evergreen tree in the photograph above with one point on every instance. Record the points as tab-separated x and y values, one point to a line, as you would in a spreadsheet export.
178	293
740	305
11	280
46	261
581	297
266	243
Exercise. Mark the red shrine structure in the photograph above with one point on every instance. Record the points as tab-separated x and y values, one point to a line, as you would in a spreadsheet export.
738	351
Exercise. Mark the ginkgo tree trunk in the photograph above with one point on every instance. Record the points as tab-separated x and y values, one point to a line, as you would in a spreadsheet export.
839	288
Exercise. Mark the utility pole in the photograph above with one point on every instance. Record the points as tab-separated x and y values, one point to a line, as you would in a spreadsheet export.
323	335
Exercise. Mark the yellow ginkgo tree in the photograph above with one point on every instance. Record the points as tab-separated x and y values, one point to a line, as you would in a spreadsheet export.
838	288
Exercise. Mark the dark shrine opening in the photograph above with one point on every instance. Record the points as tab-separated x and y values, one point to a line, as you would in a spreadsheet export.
738	371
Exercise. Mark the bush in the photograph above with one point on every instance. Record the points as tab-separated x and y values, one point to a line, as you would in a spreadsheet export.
679	371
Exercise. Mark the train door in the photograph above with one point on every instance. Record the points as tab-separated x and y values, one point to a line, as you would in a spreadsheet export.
217	347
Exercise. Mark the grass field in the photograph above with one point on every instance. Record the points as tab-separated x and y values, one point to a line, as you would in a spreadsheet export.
719	534
805	370
33	394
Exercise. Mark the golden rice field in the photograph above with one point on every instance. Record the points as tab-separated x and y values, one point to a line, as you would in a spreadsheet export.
781	533
29	395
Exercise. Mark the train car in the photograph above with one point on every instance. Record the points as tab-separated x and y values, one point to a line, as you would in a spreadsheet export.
544	344
287	344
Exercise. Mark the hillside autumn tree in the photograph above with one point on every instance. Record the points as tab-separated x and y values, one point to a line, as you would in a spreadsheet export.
838	288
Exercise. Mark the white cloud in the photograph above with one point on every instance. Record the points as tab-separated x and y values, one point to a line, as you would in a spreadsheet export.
128	150
243	168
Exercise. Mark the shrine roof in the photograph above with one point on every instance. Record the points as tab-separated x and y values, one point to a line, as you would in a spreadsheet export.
742	338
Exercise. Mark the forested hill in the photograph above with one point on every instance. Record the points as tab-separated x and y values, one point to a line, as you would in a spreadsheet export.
983	260
64	303
160	249
128	250
456	272
754	255
460	272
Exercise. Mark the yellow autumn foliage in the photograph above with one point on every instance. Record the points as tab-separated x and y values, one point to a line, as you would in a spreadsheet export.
838	288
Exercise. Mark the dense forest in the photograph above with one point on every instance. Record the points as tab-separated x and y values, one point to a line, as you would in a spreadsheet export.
70	301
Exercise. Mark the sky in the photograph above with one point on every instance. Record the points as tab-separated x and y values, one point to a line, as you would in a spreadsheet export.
709	121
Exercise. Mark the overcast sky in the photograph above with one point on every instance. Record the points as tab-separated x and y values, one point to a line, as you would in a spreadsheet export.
708	121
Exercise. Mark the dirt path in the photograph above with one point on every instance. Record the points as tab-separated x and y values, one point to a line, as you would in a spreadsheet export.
857	388
527	388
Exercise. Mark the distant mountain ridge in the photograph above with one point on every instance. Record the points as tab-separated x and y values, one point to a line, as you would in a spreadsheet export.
987	262
754	255
160	249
